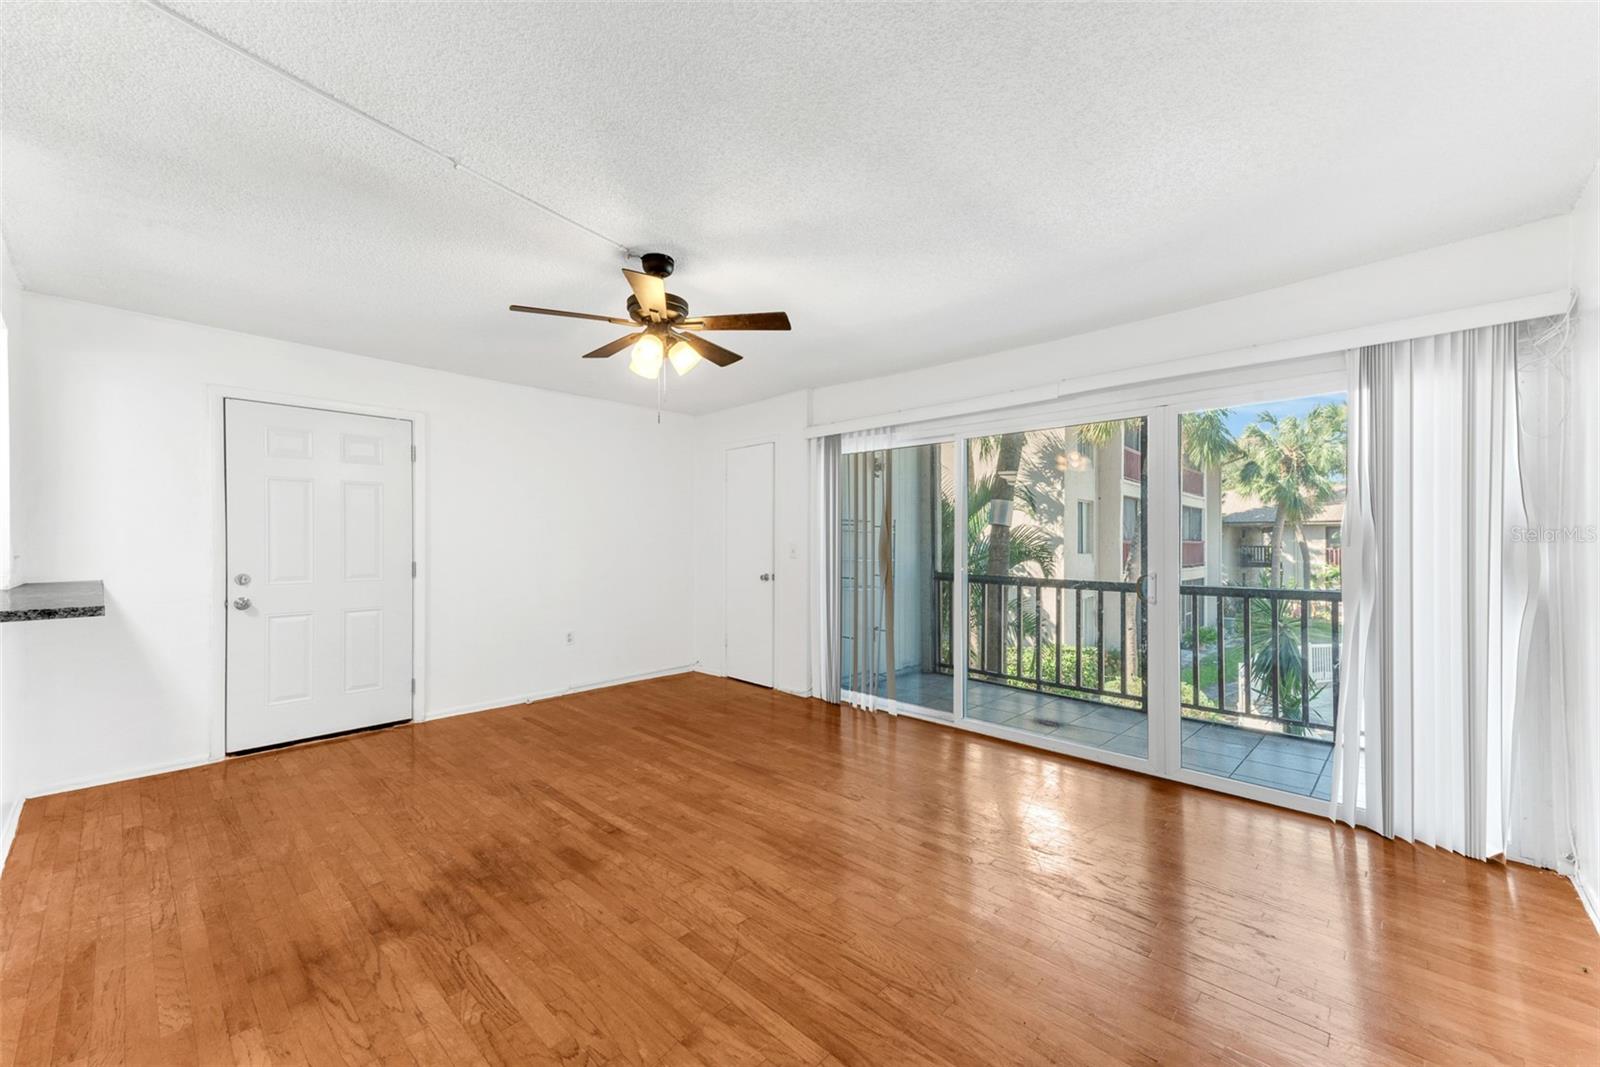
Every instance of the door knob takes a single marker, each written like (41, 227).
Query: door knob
(241, 603)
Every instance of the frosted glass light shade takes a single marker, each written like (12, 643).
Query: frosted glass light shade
(683, 357)
(646, 358)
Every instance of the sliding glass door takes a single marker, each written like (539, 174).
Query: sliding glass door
(1150, 584)
(1056, 552)
(1261, 500)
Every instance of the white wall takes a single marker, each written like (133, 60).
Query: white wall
(10, 301)
(545, 513)
(1583, 665)
(1522, 261)
(1519, 262)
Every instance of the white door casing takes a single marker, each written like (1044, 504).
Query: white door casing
(750, 579)
(318, 516)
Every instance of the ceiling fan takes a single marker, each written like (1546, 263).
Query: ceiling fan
(668, 333)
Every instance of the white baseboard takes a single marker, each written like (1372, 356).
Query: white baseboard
(529, 698)
(716, 672)
(89, 781)
(1589, 898)
(8, 829)
(470, 709)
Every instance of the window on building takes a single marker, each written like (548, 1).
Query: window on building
(1130, 518)
(1194, 524)
(1085, 527)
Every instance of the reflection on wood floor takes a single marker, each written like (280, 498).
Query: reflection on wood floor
(695, 871)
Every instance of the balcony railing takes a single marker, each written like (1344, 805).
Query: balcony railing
(1265, 655)
(1335, 555)
(1269, 655)
(1055, 636)
(1255, 555)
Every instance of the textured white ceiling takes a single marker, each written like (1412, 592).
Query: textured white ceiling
(912, 183)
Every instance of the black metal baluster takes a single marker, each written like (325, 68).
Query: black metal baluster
(1122, 640)
(1019, 633)
(1244, 697)
(1058, 635)
(1038, 642)
(1305, 661)
(1194, 646)
(1277, 662)
(1100, 640)
(1222, 656)
(1333, 611)
(1077, 638)
(983, 627)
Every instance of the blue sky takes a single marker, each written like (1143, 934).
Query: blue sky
(1298, 407)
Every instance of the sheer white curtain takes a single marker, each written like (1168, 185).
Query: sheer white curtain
(825, 527)
(1557, 552)
(1435, 602)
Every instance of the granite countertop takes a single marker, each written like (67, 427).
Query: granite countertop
(52, 600)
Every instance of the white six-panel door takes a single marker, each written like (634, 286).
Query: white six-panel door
(750, 573)
(319, 578)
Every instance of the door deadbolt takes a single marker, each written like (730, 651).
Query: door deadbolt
(241, 579)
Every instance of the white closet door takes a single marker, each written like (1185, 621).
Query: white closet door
(319, 577)
(750, 575)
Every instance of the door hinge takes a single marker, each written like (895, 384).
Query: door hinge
(413, 568)
(413, 453)
(413, 686)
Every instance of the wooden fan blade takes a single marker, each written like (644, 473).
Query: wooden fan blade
(614, 347)
(711, 352)
(756, 320)
(651, 291)
(572, 315)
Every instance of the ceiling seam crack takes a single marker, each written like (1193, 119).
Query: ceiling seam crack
(307, 86)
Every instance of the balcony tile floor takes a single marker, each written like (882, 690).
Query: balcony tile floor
(1292, 764)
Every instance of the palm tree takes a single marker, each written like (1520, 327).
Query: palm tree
(1207, 441)
(995, 547)
(1290, 464)
(998, 498)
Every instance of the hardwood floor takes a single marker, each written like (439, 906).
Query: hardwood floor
(694, 871)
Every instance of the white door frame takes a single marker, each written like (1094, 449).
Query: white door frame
(772, 526)
(214, 398)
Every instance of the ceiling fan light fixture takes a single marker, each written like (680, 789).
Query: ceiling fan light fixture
(683, 357)
(657, 315)
(646, 358)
